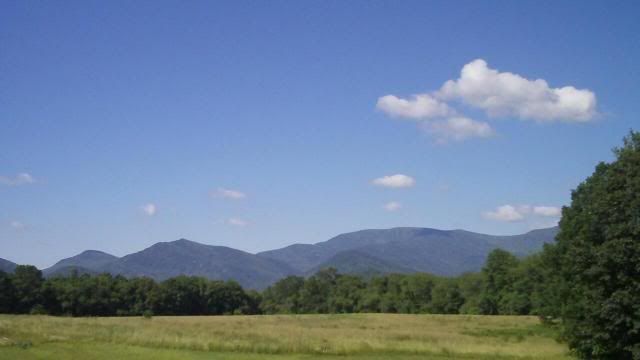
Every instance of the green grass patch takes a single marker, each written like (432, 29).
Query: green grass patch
(366, 336)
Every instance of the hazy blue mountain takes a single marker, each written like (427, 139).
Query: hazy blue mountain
(7, 266)
(301, 257)
(365, 252)
(441, 252)
(527, 243)
(87, 261)
(183, 257)
(359, 263)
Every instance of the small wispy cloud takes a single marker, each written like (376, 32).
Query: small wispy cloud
(551, 211)
(443, 187)
(237, 222)
(395, 181)
(421, 106)
(19, 179)
(228, 194)
(457, 128)
(513, 213)
(392, 206)
(149, 209)
(507, 213)
(17, 225)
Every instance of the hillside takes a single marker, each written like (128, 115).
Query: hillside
(359, 263)
(183, 257)
(7, 266)
(86, 262)
(442, 252)
(70, 270)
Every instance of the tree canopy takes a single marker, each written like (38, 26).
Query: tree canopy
(597, 258)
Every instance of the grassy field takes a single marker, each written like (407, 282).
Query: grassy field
(365, 336)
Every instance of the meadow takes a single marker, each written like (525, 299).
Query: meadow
(364, 336)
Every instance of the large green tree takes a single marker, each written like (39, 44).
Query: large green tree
(598, 258)
(7, 293)
(498, 278)
(27, 284)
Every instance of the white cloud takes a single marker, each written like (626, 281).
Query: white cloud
(503, 94)
(504, 213)
(17, 225)
(237, 222)
(392, 206)
(511, 213)
(422, 106)
(550, 211)
(19, 179)
(229, 194)
(499, 94)
(149, 209)
(395, 181)
(457, 129)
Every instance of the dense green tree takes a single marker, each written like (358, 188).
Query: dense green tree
(181, 295)
(598, 259)
(7, 293)
(314, 296)
(497, 277)
(136, 295)
(471, 289)
(252, 304)
(346, 294)
(521, 294)
(446, 297)
(418, 292)
(284, 296)
(224, 297)
(371, 296)
(27, 283)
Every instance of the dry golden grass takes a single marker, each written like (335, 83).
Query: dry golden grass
(449, 336)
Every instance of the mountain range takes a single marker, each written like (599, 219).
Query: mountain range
(365, 252)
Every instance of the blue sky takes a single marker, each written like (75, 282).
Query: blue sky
(259, 124)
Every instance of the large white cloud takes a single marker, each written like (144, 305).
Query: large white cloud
(511, 213)
(229, 194)
(499, 94)
(503, 94)
(19, 179)
(395, 181)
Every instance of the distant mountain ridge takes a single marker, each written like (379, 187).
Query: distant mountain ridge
(364, 252)
(7, 266)
(85, 262)
(441, 252)
(183, 257)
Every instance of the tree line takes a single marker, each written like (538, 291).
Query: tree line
(25, 291)
(506, 285)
